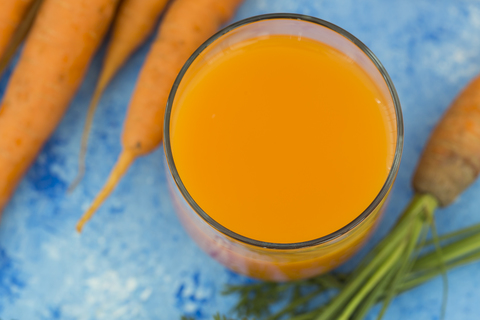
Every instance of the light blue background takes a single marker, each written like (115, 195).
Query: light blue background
(134, 261)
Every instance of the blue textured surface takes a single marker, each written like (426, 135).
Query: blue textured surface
(134, 261)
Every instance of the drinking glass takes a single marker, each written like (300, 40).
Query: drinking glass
(282, 261)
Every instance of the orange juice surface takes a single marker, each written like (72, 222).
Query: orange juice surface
(281, 139)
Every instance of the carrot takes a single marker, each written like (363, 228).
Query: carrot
(134, 22)
(186, 25)
(11, 13)
(451, 159)
(57, 52)
(15, 37)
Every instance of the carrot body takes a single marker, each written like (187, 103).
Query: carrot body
(134, 22)
(55, 58)
(11, 13)
(19, 35)
(186, 25)
(451, 158)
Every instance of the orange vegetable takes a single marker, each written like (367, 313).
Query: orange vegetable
(18, 35)
(186, 25)
(451, 158)
(57, 52)
(11, 13)
(134, 22)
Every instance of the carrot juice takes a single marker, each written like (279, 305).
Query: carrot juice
(279, 144)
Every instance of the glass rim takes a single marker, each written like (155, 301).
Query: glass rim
(304, 244)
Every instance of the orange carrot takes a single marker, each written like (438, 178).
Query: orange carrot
(57, 52)
(17, 36)
(451, 158)
(134, 22)
(11, 13)
(186, 25)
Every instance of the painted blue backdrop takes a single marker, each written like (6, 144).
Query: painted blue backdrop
(134, 260)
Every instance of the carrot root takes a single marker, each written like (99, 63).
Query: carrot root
(85, 135)
(20, 35)
(135, 20)
(121, 167)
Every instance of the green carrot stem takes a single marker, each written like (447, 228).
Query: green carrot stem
(372, 262)
(405, 263)
(373, 297)
(450, 252)
(416, 279)
(416, 205)
(251, 286)
(308, 315)
(442, 268)
(328, 281)
(372, 282)
(412, 280)
(462, 233)
(355, 283)
(295, 304)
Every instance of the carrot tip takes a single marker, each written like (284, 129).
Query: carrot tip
(79, 227)
(85, 135)
(75, 182)
(121, 167)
